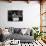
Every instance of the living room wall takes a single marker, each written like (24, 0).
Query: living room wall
(31, 14)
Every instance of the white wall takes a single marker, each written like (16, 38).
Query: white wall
(31, 14)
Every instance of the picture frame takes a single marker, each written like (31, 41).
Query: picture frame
(15, 15)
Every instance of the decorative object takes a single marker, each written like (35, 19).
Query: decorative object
(17, 30)
(23, 31)
(15, 15)
(35, 28)
(37, 34)
(11, 30)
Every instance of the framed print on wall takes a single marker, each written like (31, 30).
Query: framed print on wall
(15, 15)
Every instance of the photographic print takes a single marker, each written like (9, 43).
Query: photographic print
(15, 15)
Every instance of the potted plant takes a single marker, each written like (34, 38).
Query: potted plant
(37, 33)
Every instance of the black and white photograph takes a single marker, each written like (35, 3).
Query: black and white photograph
(15, 15)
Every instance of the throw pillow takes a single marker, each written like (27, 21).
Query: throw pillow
(17, 30)
(23, 31)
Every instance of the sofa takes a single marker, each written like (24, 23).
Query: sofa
(22, 34)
